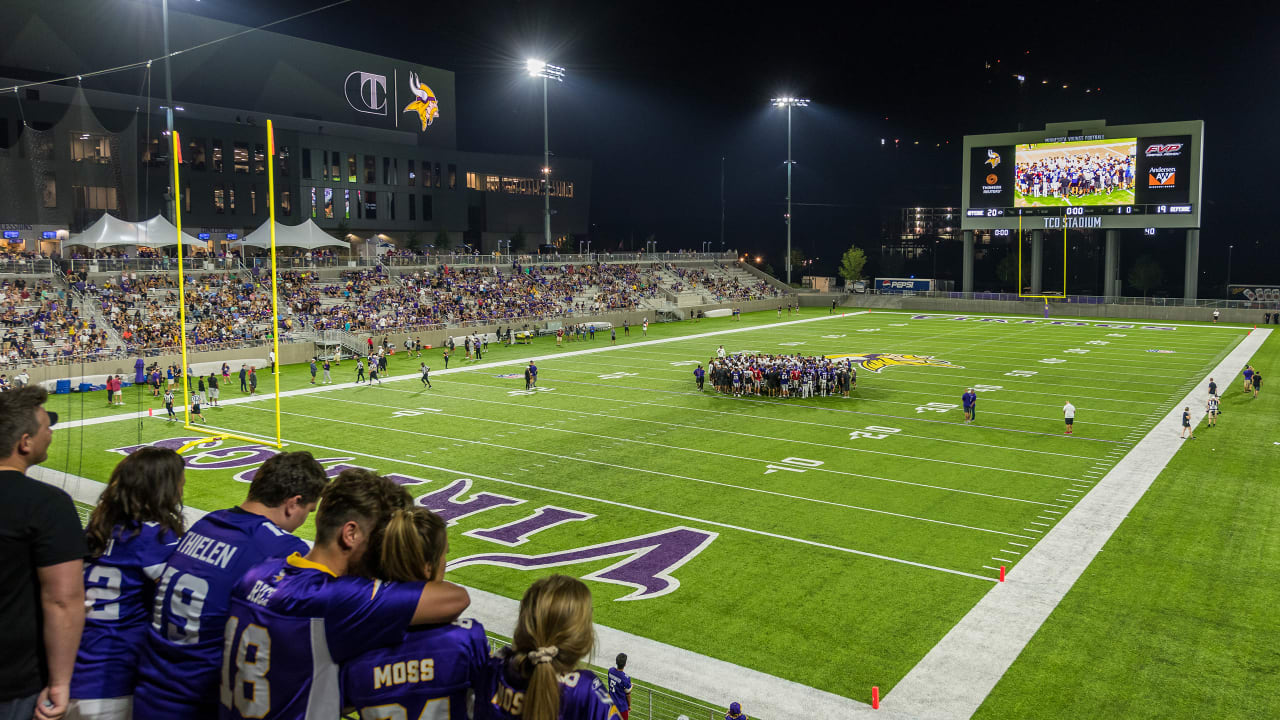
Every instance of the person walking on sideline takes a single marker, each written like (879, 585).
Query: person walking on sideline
(244, 388)
(970, 401)
(359, 370)
(699, 376)
(253, 380)
(1248, 378)
(328, 380)
(1069, 415)
(1212, 409)
(42, 606)
(426, 374)
(313, 371)
(1186, 423)
(1257, 382)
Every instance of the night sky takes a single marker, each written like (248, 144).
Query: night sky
(658, 93)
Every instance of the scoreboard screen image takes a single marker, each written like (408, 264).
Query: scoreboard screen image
(1090, 172)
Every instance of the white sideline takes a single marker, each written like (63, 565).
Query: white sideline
(660, 664)
(468, 368)
(956, 676)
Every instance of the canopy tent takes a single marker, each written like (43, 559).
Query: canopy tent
(111, 231)
(308, 236)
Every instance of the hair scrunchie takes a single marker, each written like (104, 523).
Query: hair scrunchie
(544, 654)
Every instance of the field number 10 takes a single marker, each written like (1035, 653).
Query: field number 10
(873, 432)
(793, 464)
(937, 407)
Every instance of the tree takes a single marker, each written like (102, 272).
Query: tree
(797, 260)
(1007, 270)
(1146, 274)
(852, 263)
(518, 240)
(412, 242)
(443, 241)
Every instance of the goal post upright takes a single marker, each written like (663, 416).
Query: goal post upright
(275, 297)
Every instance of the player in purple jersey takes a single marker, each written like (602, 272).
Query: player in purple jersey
(130, 535)
(294, 620)
(430, 672)
(537, 677)
(178, 668)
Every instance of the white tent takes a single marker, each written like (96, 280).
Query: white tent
(111, 231)
(308, 235)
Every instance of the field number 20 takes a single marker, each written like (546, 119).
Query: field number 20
(937, 407)
(873, 432)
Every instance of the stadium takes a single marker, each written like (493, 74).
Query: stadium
(355, 424)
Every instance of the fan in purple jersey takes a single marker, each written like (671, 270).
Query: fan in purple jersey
(294, 620)
(735, 712)
(619, 681)
(430, 672)
(537, 676)
(178, 668)
(131, 533)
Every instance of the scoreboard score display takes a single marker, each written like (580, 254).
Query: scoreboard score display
(1094, 176)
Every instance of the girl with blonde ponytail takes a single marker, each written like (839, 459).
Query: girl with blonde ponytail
(434, 665)
(537, 677)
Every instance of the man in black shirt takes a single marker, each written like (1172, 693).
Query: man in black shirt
(41, 566)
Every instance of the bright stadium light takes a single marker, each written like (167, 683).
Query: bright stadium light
(546, 71)
(788, 103)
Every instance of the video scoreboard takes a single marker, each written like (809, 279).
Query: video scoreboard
(1084, 175)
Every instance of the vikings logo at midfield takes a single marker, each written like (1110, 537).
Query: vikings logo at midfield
(424, 101)
(875, 362)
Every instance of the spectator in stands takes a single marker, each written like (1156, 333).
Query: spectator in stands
(41, 567)
(131, 533)
(620, 686)
(735, 712)
(537, 676)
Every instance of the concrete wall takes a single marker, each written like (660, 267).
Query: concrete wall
(93, 372)
(1056, 309)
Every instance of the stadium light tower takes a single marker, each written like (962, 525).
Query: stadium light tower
(788, 103)
(546, 71)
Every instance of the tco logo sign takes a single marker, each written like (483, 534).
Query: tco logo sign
(367, 92)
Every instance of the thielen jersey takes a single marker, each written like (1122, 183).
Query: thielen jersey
(178, 668)
(119, 588)
(582, 695)
(292, 623)
(428, 675)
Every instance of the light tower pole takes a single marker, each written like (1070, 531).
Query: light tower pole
(541, 69)
(788, 103)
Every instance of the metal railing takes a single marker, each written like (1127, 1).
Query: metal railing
(26, 266)
(1096, 300)
(165, 264)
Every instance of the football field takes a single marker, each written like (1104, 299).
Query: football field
(828, 541)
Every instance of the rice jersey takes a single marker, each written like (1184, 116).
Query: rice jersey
(119, 588)
(582, 695)
(178, 668)
(428, 675)
(292, 623)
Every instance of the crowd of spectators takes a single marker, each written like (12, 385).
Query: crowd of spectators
(40, 324)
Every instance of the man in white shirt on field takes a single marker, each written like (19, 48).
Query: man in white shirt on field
(1069, 415)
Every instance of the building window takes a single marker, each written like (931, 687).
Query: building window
(351, 168)
(324, 167)
(306, 163)
(231, 198)
(217, 156)
(195, 153)
(253, 199)
(453, 176)
(240, 158)
(370, 170)
(286, 203)
(336, 172)
(91, 148)
(386, 171)
(391, 206)
(313, 201)
(370, 205)
(282, 152)
(346, 197)
(219, 199)
(186, 198)
(472, 183)
(359, 204)
(259, 159)
(95, 198)
(411, 173)
(328, 203)
(437, 175)
(413, 208)
(426, 208)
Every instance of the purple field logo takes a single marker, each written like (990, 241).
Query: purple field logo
(646, 562)
(875, 362)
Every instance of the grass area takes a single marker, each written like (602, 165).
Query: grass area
(1177, 617)
(859, 530)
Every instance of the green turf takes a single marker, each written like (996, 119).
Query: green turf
(845, 562)
(1177, 617)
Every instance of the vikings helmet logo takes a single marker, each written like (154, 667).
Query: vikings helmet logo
(993, 159)
(424, 101)
(875, 362)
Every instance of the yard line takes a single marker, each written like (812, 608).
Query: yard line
(770, 438)
(1008, 560)
(628, 506)
(1018, 544)
(1033, 522)
(753, 418)
(687, 449)
(653, 472)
